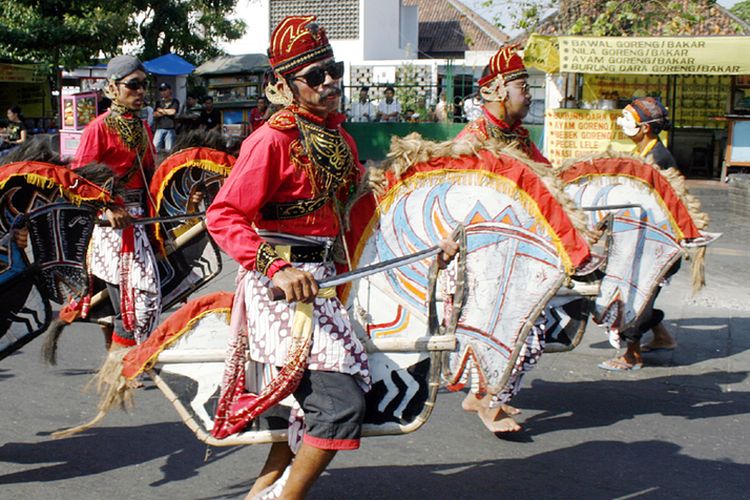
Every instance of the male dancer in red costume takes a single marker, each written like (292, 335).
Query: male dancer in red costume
(505, 92)
(504, 89)
(121, 255)
(289, 182)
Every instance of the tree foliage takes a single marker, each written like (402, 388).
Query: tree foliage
(190, 28)
(72, 33)
(607, 17)
(58, 32)
(742, 10)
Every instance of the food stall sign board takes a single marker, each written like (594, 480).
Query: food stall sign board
(707, 55)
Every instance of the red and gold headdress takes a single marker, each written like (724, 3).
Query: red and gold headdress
(506, 63)
(297, 42)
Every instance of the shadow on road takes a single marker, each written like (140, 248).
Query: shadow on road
(103, 449)
(698, 340)
(595, 470)
(5, 374)
(600, 403)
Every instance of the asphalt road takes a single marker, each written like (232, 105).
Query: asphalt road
(678, 428)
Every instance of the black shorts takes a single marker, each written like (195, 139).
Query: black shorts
(334, 407)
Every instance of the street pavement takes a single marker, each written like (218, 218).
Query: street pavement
(678, 428)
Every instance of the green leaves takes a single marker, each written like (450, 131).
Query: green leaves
(613, 17)
(742, 10)
(75, 33)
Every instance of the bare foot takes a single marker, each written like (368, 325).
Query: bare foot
(496, 420)
(658, 346)
(471, 403)
(511, 410)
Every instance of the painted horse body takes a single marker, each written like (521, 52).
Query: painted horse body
(519, 246)
(650, 220)
(59, 206)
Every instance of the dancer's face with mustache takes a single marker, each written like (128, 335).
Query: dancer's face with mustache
(320, 100)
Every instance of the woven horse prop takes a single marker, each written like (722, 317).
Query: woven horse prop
(58, 207)
(189, 258)
(652, 221)
(520, 245)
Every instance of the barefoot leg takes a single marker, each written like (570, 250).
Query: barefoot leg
(278, 459)
(662, 338)
(107, 331)
(309, 463)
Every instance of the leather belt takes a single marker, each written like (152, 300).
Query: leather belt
(306, 254)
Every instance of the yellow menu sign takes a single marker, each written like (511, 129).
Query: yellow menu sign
(663, 56)
(573, 133)
(705, 55)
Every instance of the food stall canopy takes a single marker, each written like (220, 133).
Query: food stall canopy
(169, 65)
(27, 86)
(700, 55)
(229, 65)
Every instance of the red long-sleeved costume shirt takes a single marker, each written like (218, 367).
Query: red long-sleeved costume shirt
(101, 144)
(267, 171)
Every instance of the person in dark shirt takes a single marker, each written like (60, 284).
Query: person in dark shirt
(102, 101)
(642, 121)
(165, 116)
(210, 117)
(15, 133)
(189, 118)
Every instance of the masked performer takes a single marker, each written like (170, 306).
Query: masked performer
(121, 255)
(642, 121)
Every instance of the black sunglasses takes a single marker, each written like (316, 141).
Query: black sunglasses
(317, 76)
(135, 84)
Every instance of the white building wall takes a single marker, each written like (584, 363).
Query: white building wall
(256, 14)
(409, 38)
(382, 29)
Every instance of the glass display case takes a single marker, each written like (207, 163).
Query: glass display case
(78, 110)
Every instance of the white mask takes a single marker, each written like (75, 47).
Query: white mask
(628, 125)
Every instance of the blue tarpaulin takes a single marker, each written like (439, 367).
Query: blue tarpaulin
(169, 65)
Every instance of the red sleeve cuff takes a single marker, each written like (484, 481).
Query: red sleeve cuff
(276, 266)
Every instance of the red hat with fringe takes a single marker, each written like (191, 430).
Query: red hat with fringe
(506, 63)
(297, 42)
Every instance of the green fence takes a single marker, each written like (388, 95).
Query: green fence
(374, 139)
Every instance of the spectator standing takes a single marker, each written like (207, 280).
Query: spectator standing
(16, 131)
(165, 117)
(389, 109)
(424, 112)
(362, 109)
(147, 113)
(190, 116)
(441, 110)
(259, 114)
(210, 116)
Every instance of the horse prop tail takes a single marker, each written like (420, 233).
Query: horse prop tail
(113, 388)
